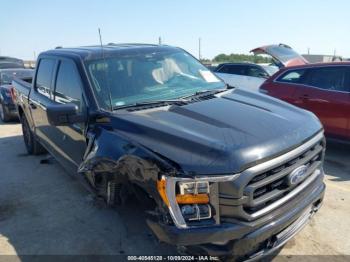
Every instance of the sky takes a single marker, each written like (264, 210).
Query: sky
(28, 27)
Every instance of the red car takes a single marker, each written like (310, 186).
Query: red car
(322, 88)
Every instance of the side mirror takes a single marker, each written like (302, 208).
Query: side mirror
(63, 114)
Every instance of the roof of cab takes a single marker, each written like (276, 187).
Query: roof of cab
(95, 52)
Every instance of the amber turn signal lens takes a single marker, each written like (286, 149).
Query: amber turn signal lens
(192, 199)
(161, 184)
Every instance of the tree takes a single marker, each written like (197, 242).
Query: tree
(241, 58)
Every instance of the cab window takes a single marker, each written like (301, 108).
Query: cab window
(44, 76)
(68, 85)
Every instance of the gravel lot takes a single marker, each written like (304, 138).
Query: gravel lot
(44, 211)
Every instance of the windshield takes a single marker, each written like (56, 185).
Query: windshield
(6, 77)
(162, 75)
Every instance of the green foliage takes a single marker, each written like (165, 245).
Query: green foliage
(241, 58)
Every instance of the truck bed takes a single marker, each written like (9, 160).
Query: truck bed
(22, 87)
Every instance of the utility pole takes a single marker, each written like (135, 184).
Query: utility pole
(159, 40)
(34, 60)
(308, 50)
(199, 49)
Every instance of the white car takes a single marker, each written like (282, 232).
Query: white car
(244, 75)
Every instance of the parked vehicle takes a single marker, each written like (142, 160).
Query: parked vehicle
(211, 67)
(322, 88)
(225, 171)
(269, 68)
(8, 109)
(10, 62)
(243, 75)
(282, 55)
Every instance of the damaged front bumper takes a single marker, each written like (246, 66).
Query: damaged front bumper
(255, 212)
(247, 240)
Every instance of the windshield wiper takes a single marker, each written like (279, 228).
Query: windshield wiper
(183, 100)
(151, 103)
(209, 91)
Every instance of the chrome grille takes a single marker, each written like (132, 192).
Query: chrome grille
(268, 186)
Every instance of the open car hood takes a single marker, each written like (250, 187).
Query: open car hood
(281, 53)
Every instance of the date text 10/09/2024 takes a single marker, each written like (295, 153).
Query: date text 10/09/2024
(173, 258)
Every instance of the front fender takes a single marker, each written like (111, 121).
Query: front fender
(110, 153)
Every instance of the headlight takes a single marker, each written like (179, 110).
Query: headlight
(196, 212)
(194, 187)
(188, 199)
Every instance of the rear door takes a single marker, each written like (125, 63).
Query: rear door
(40, 97)
(325, 92)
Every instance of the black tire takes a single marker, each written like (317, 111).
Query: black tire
(32, 145)
(4, 114)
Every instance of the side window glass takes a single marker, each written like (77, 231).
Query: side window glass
(237, 70)
(69, 85)
(232, 69)
(223, 69)
(256, 72)
(329, 78)
(294, 76)
(44, 76)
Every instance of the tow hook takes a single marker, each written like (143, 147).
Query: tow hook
(315, 207)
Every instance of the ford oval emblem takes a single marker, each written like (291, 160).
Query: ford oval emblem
(297, 175)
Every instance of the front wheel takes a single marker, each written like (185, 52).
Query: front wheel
(32, 145)
(4, 114)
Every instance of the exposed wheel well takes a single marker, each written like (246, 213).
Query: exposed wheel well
(123, 189)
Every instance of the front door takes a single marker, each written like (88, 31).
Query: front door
(69, 89)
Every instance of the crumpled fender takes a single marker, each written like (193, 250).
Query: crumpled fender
(110, 153)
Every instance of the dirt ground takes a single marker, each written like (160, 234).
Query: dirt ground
(44, 211)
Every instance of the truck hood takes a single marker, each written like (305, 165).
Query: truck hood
(282, 53)
(223, 135)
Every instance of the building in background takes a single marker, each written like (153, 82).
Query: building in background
(322, 58)
(29, 63)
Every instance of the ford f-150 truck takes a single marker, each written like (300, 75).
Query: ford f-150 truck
(225, 172)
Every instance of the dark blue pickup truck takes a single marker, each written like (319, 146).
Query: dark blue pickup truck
(225, 171)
